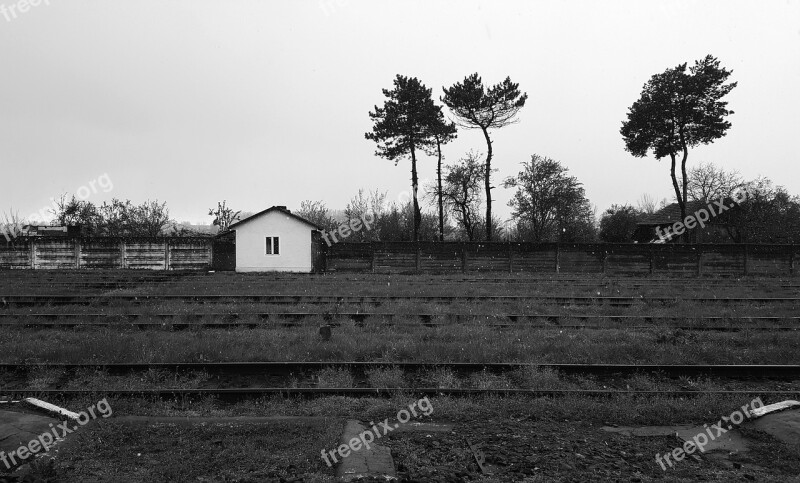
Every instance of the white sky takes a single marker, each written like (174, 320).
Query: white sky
(265, 102)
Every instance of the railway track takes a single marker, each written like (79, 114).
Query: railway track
(244, 380)
(619, 301)
(160, 275)
(182, 321)
(246, 325)
(239, 394)
(424, 317)
(732, 371)
(417, 280)
(82, 287)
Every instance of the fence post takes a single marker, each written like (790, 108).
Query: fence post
(77, 253)
(419, 257)
(558, 255)
(510, 258)
(699, 261)
(651, 254)
(122, 253)
(791, 259)
(33, 254)
(372, 257)
(464, 255)
(167, 253)
(604, 256)
(745, 258)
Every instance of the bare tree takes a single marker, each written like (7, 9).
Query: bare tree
(708, 182)
(317, 213)
(11, 224)
(646, 204)
(223, 216)
(364, 205)
(461, 192)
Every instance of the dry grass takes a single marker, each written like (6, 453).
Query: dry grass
(331, 377)
(383, 343)
(392, 377)
(150, 379)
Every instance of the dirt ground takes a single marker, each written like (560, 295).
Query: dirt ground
(513, 448)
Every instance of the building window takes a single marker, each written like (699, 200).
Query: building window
(273, 246)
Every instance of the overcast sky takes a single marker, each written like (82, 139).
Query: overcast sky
(265, 102)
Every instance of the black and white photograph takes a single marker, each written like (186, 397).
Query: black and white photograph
(444, 241)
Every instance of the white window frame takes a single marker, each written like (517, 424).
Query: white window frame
(269, 246)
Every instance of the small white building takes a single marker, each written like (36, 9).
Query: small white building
(276, 240)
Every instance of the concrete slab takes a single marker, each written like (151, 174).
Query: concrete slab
(729, 442)
(783, 426)
(50, 408)
(375, 462)
(773, 408)
(18, 429)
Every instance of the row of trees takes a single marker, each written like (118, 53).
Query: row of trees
(677, 110)
(549, 205)
(410, 122)
(114, 218)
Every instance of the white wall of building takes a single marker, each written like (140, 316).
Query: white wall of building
(295, 244)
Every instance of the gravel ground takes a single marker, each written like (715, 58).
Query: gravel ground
(522, 440)
(534, 451)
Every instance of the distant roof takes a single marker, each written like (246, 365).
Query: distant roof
(282, 209)
(671, 213)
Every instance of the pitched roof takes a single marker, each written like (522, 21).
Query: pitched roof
(282, 209)
(671, 213)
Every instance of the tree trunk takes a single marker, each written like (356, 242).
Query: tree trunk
(439, 175)
(685, 182)
(414, 187)
(488, 185)
(681, 202)
(466, 220)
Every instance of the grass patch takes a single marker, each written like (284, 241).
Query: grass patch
(391, 377)
(331, 377)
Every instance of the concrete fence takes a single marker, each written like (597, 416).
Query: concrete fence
(608, 258)
(131, 253)
(433, 257)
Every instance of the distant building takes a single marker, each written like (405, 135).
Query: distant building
(49, 230)
(275, 240)
(715, 231)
